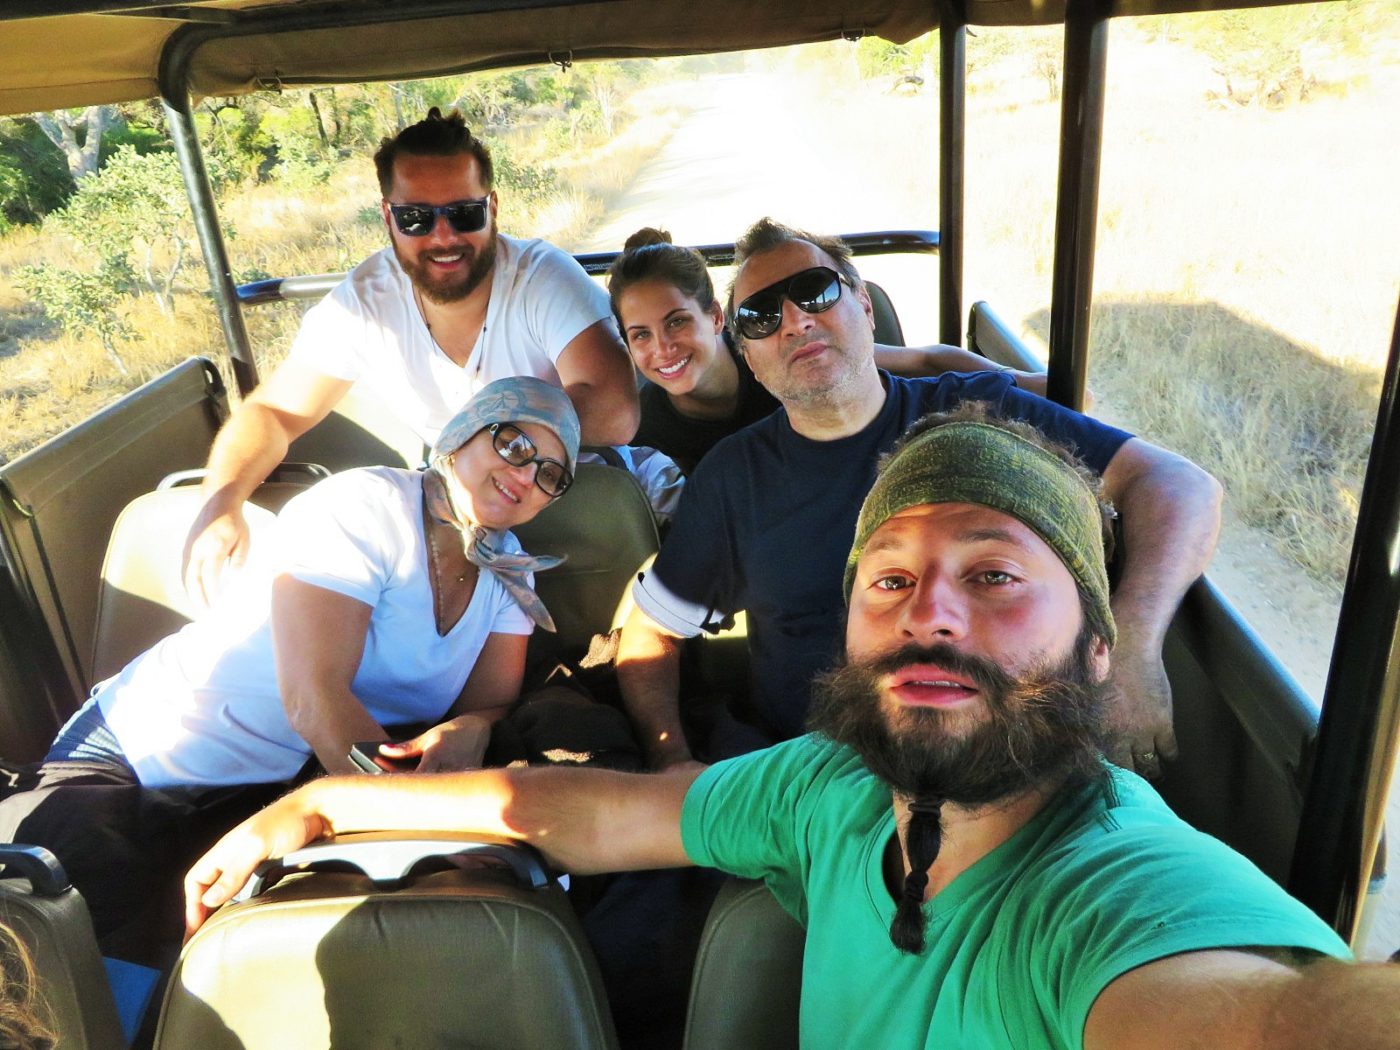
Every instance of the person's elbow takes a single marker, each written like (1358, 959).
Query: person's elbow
(643, 641)
(305, 713)
(1141, 469)
(1211, 492)
(610, 414)
(1192, 485)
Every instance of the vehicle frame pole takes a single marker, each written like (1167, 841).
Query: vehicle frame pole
(1340, 829)
(175, 99)
(952, 121)
(1077, 197)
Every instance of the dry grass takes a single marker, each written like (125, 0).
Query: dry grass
(1286, 430)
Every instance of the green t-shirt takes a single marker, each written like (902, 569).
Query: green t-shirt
(1019, 945)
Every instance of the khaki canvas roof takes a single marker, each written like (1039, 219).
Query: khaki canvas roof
(65, 53)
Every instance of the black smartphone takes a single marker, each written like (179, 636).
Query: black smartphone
(367, 757)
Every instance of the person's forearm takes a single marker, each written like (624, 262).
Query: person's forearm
(330, 725)
(1247, 1001)
(648, 673)
(1171, 521)
(250, 445)
(582, 820)
(608, 414)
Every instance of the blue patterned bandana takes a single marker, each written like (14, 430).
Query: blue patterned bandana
(518, 399)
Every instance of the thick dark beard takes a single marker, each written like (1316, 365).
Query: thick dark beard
(418, 270)
(1045, 728)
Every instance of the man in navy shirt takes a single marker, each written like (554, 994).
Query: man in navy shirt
(766, 520)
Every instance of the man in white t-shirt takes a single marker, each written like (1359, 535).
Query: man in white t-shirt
(448, 307)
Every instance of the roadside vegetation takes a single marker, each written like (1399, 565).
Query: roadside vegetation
(102, 286)
(1284, 221)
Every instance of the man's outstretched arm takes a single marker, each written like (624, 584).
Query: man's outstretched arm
(583, 820)
(1171, 520)
(254, 440)
(1244, 1001)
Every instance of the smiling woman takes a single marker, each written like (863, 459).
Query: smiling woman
(697, 388)
(383, 598)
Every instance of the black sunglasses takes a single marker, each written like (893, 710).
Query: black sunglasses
(812, 291)
(418, 220)
(516, 448)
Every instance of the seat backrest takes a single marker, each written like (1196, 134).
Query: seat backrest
(141, 594)
(52, 922)
(748, 973)
(452, 959)
(888, 330)
(57, 506)
(605, 529)
(361, 431)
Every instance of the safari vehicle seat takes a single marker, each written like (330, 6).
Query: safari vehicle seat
(605, 529)
(51, 920)
(141, 594)
(748, 973)
(57, 506)
(481, 956)
(888, 331)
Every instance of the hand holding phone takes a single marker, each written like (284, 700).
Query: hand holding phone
(367, 758)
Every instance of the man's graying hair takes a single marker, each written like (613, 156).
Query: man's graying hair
(768, 234)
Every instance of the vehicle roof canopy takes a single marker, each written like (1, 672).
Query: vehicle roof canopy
(67, 53)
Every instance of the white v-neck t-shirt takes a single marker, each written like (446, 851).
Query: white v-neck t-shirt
(202, 707)
(368, 329)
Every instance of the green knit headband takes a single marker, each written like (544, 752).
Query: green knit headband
(973, 462)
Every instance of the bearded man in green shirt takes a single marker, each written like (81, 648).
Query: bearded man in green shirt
(970, 872)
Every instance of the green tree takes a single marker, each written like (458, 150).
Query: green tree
(295, 129)
(134, 211)
(34, 179)
(82, 302)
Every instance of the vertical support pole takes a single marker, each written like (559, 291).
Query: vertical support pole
(180, 119)
(1076, 209)
(1340, 828)
(952, 91)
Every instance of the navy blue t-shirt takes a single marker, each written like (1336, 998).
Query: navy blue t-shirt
(687, 440)
(766, 522)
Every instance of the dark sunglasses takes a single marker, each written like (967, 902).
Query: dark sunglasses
(812, 291)
(513, 446)
(418, 220)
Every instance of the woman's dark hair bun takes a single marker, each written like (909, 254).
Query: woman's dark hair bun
(645, 236)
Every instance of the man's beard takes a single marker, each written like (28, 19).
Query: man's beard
(1040, 729)
(442, 289)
